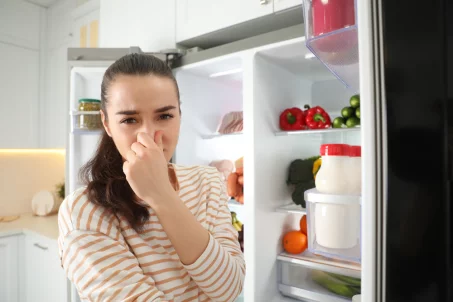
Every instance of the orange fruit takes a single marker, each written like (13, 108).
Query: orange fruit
(294, 242)
(303, 224)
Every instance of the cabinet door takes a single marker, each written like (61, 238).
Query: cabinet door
(280, 5)
(198, 17)
(54, 108)
(19, 102)
(45, 280)
(86, 30)
(9, 269)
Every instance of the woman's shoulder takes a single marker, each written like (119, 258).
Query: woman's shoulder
(77, 212)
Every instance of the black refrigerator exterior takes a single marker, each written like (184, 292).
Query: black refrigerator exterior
(417, 43)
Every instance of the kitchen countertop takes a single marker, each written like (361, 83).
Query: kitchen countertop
(28, 223)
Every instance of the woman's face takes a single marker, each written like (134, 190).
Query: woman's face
(142, 104)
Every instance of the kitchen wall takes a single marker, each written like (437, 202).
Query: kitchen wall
(23, 173)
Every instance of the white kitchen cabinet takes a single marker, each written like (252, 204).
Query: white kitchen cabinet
(20, 23)
(281, 5)
(149, 24)
(44, 279)
(21, 26)
(54, 107)
(9, 269)
(85, 24)
(198, 17)
(59, 24)
(19, 103)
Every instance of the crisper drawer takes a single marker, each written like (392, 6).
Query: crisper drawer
(317, 282)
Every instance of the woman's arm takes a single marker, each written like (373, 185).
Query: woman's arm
(213, 258)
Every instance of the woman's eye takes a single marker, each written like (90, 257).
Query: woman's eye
(129, 121)
(165, 116)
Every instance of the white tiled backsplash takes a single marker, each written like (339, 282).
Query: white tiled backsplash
(25, 172)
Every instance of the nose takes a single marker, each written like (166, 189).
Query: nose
(149, 128)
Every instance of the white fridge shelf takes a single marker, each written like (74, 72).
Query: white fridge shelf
(217, 135)
(316, 131)
(292, 209)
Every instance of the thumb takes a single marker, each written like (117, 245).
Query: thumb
(158, 139)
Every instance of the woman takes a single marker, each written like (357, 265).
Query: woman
(144, 229)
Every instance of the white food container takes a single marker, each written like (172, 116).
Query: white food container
(355, 170)
(332, 177)
(333, 225)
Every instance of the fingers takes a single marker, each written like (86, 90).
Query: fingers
(158, 139)
(126, 167)
(146, 140)
(139, 149)
(131, 156)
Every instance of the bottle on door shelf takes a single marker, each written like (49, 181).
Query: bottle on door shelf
(332, 177)
(355, 170)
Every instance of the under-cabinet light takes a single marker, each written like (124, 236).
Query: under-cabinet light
(309, 56)
(223, 73)
(32, 151)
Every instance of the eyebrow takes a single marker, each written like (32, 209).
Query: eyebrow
(134, 112)
(127, 112)
(165, 108)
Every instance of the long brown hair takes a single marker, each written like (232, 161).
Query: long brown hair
(103, 174)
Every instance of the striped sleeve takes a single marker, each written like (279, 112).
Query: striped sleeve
(96, 258)
(220, 270)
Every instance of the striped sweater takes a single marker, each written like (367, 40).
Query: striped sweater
(107, 260)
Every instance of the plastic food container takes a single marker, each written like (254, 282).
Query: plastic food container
(333, 225)
(332, 177)
(309, 283)
(355, 170)
(92, 119)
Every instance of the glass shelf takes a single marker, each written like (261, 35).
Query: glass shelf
(292, 209)
(316, 131)
(217, 135)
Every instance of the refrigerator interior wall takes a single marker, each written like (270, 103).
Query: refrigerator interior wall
(272, 78)
(285, 78)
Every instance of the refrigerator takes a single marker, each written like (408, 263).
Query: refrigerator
(398, 57)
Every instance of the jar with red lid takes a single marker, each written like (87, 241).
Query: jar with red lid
(355, 170)
(332, 177)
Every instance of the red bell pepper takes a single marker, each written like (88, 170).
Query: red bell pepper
(292, 119)
(317, 118)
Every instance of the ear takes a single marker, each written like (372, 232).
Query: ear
(105, 123)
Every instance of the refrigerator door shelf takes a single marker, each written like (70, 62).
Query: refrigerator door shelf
(332, 36)
(76, 117)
